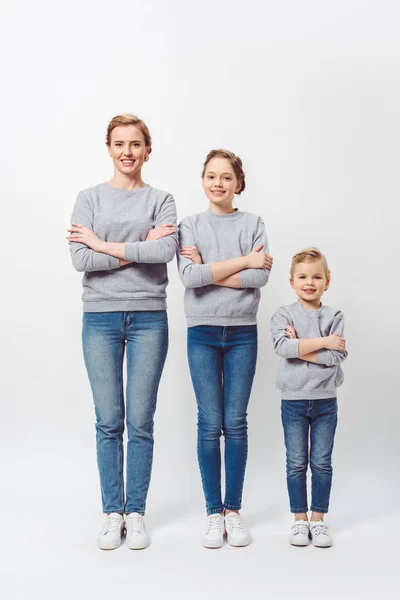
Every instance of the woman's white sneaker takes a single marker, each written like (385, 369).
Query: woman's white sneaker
(213, 534)
(236, 532)
(320, 535)
(300, 533)
(109, 537)
(136, 536)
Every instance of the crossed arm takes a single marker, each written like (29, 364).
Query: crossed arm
(329, 350)
(249, 271)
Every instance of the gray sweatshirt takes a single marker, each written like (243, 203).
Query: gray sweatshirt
(298, 379)
(219, 238)
(124, 216)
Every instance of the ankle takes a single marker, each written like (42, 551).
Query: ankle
(300, 517)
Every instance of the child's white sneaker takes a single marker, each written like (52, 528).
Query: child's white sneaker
(236, 531)
(109, 537)
(319, 534)
(136, 536)
(300, 533)
(213, 534)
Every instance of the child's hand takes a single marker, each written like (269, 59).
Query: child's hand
(192, 254)
(290, 332)
(259, 260)
(157, 233)
(335, 342)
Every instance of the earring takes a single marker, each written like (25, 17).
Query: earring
(146, 159)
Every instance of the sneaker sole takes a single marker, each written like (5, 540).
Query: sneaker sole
(300, 544)
(111, 547)
(138, 546)
(211, 544)
(238, 544)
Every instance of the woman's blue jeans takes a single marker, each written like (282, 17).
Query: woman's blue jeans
(105, 336)
(309, 427)
(222, 363)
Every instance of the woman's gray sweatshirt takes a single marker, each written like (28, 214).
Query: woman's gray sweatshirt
(298, 379)
(219, 238)
(126, 216)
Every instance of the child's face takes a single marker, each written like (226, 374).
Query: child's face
(309, 282)
(219, 181)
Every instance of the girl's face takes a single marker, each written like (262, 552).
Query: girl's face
(220, 182)
(128, 149)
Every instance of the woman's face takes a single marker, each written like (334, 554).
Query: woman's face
(128, 149)
(220, 182)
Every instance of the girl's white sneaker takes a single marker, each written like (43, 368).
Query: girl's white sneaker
(320, 535)
(300, 533)
(109, 537)
(236, 531)
(213, 534)
(136, 536)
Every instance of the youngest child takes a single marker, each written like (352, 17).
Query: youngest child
(308, 338)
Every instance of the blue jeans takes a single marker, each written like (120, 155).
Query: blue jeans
(105, 336)
(303, 420)
(222, 363)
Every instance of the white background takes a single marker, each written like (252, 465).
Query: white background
(308, 94)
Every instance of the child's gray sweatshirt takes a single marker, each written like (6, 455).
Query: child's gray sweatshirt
(298, 379)
(219, 238)
(117, 215)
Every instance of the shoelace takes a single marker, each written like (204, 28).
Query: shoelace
(319, 529)
(113, 523)
(300, 528)
(234, 521)
(214, 522)
(134, 524)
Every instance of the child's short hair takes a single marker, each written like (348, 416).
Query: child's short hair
(310, 255)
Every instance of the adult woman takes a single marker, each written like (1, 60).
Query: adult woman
(122, 235)
(222, 266)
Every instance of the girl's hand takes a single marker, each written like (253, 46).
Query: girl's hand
(192, 254)
(290, 332)
(157, 233)
(259, 260)
(335, 342)
(84, 235)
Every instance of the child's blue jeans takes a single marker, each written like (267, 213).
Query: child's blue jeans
(309, 427)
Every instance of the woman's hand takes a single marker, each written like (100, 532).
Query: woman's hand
(259, 260)
(290, 332)
(84, 235)
(335, 342)
(157, 233)
(192, 254)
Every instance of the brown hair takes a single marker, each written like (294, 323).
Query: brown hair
(235, 162)
(310, 255)
(128, 119)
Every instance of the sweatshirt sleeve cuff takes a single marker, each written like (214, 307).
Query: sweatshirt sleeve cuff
(292, 348)
(206, 274)
(113, 263)
(131, 251)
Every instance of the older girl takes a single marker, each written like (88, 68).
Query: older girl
(223, 263)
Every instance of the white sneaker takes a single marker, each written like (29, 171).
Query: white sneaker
(213, 534)
(109, 537)
(136, 536)
(300, 533)
(319, 534)
(236, 531)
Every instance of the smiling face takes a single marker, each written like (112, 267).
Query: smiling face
(220, 182)
(309, 282)
(128, 149)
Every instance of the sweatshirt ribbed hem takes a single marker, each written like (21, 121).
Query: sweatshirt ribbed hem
(308, 394)
(125, 305)
(222, 321)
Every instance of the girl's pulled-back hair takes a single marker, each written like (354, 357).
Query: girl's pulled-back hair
(310, 255)
(235, 162)
(128, 119)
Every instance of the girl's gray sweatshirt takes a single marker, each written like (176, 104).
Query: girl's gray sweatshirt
(298, 379)
(219, 238)
(117, 215)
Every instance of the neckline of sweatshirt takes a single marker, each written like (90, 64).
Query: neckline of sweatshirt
(227, 217)
(123, 192)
